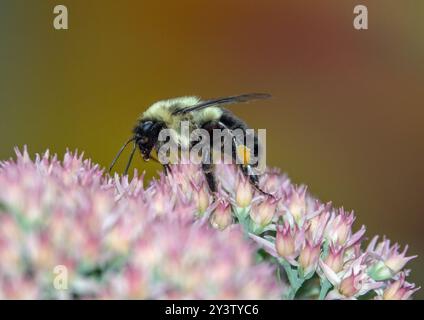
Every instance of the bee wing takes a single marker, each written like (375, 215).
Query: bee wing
(223, 101)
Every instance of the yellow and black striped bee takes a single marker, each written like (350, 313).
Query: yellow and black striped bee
(207, 115)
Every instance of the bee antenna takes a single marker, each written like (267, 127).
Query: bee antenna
(130, 159)
(119, 153)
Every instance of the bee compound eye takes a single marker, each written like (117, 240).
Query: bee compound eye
(147, 125)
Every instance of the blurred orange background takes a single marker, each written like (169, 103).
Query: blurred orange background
(346, 116)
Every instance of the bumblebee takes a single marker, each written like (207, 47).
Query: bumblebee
(207, 115)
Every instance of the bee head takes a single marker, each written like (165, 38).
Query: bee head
(146, 135)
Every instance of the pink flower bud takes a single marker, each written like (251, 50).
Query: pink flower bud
(334, 260)
(339, 228)
(244, 193)
(274, 182)
(285, 242)
(396, 261)
(263, 212)
(201, 197)
(399, 289)
(350, 285)
(297, 203)
(222, 216)
(390, 260)
(160, 203)
(309, 256)
(317, 224)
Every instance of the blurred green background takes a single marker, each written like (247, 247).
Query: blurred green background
(346, 116)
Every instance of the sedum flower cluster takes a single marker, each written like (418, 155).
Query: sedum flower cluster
(67, 230)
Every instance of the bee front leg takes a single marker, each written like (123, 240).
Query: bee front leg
(166, 166)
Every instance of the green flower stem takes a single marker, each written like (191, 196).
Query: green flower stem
(325, 286)
(254, 228)
(294, 279)
(243, 218)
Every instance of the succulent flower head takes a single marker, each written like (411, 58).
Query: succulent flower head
(119, 239)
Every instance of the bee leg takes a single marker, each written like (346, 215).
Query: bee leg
(208, 170)
(253, 178)
(246, 169)
(166, 169)
(166, 166)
